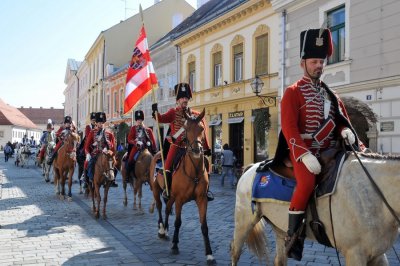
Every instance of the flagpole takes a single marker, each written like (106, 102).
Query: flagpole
(157, 123)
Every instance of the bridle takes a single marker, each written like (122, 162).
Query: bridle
(108, 173)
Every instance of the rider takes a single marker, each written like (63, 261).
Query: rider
(98, 140)
(60, 135)
(25, 140)
(139, 136)
(47, 137)
(175, 116)
(313, 119)
(81, 149)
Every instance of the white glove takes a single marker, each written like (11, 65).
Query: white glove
(312, 164)
(348, 134)
(148, 144)
(105, 150)
(88, 157)
(139, 144)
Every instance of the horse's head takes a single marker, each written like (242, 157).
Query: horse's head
(72, 140)
(107, 163)
(194, 129)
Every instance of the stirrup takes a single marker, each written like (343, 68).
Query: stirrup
(164, 194)
(294, 247)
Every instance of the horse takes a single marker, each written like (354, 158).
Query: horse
(64, 165)
(357, 222)
(141, 176)
(103, 176)
(23, 155)
(190, 182)
(45, 167)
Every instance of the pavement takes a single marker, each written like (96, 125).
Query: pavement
(37, 228)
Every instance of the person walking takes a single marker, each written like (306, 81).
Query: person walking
(7, 151)
(228, 160)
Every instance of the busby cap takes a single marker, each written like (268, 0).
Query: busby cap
(315, 43)
(92, 115)
(50, 125)
(139, 115)
(183, 90)
(101, 117)
(68, 119)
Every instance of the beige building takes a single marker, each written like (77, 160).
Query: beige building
(366, 59)
(220, 56)
(111, 51)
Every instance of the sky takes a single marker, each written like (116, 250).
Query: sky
(38, 37)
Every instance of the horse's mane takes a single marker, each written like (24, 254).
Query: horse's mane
(379, 156)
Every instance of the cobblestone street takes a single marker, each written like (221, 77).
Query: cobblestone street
(39, 229)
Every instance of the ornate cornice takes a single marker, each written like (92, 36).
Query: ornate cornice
(240, 14)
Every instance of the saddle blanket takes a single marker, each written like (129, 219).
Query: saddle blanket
(271, 187)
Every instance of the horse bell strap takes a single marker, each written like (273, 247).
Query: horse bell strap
(317, 226)
(375, 186)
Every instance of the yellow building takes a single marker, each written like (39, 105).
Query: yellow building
(221, 53)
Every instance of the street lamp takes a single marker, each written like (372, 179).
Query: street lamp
(256, 85)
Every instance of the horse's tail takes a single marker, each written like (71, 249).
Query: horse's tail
(257, 242)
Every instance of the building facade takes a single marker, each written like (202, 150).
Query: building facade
(366, 59)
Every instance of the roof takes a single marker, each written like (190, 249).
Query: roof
(203, 15)
(10, 115)
(41, 115)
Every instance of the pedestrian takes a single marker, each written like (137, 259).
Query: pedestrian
(228, 161)
(7, 151)
(313, 120)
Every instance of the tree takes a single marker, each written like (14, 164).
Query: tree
(122, 133)
(361, 116)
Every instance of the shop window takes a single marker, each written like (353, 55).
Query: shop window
(336, 23)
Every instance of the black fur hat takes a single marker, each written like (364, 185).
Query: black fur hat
(68, 119)
(92, 115)
(315, 43)
(183, 90)
(101, 117)
(139, 115)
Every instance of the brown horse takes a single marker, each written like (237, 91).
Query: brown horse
(64, 165)
(103, 176)
(141, 176)
(190, 182)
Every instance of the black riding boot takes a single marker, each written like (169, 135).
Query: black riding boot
(294, 241)
(210, 195)
(53, 156)
(169, 181)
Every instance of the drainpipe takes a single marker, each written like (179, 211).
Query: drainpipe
(178, 63)
(283, 67)
(77, 100)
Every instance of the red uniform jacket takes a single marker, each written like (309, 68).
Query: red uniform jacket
(176, 118)
(135, 135)
(98, 140)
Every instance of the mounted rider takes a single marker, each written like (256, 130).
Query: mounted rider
(313, 119)
(47, 137)
(99, 140)
(25, 140)
(61, 133)
(176, 119)
(140, 137)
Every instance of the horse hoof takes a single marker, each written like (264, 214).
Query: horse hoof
(97, 215)
(162, 236)
(47, 180)
(125, 203)
(174, 251)
(104, 217)
(81, 192)
(211, 260)
(69, 199)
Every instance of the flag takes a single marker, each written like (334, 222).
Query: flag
(140, 77)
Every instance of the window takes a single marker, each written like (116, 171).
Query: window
(217, 60)
(261, 55)
(115, 102)
(192, 75)
(238, 62)
(121, 100)
(336, 23)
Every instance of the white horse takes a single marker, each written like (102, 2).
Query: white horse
(45, 167)
(23, 155)
(364, 229)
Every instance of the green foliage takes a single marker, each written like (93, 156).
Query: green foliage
(262, 123)
(122, 133)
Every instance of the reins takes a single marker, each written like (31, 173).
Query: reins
(375, 186)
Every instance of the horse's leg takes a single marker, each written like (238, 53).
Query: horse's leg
(70, 173)
(355, 256)
(93, 192)
(178, 223)
(202, 206)
(124, 185)
(162, 233)
(379, 261)
(98, 198)
(167, 213)
(140, 184)
(135, 192)
(280, 254)
(106, 188)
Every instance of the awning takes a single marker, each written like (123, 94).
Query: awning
(234, 120)
(215, 122)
